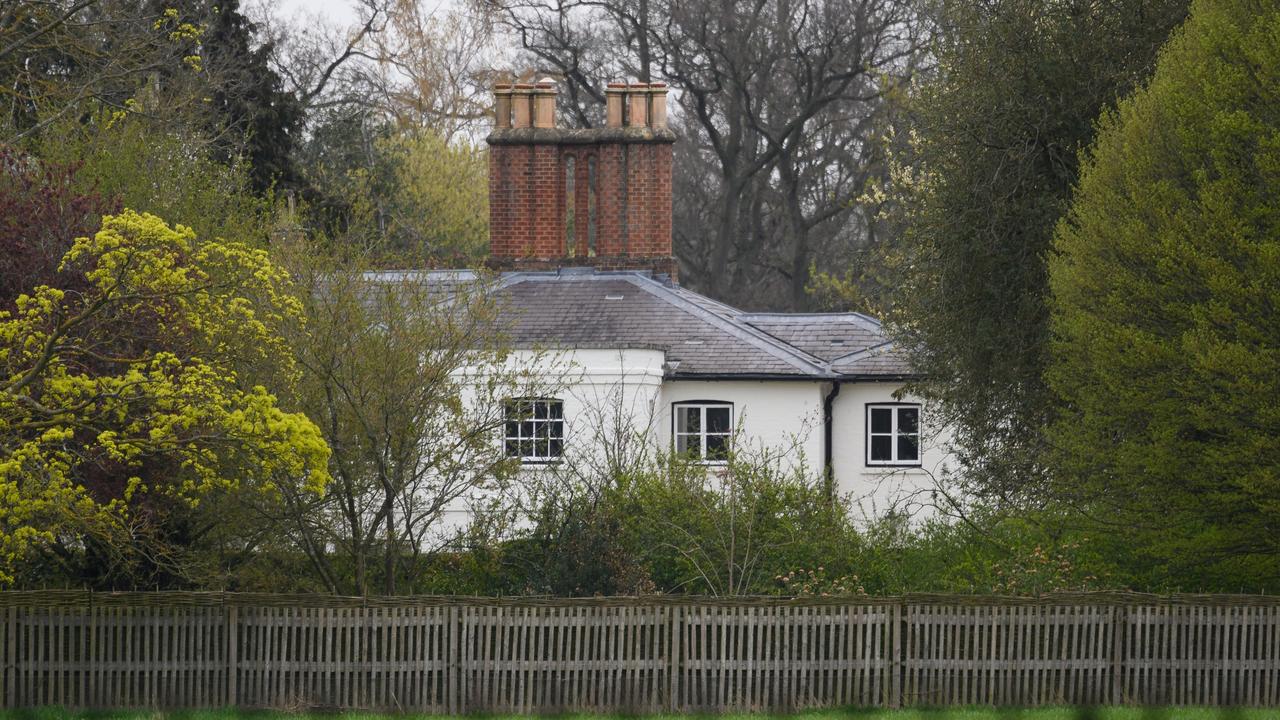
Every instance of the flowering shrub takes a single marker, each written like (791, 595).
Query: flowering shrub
(816, 583)
(127, 385)
(1041, 570)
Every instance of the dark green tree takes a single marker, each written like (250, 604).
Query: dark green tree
(991, 162)
(253, 117)
(1166, 282)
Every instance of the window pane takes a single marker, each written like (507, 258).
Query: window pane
(542, 448)
(688, 419)
(557, 447)
(539, 409)
(908, 448)
(881, 420)
(689, 444)
(881, 448)
(556, 429)
(526, 429)
(526, 448)
(513, 429)
(512, 448)
(557, 409)
(717, 447)
(718, 419)
(909, 420)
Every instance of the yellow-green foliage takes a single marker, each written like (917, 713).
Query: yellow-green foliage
(138, 365)
(164, 167)
(436, 202)
(1167, 285)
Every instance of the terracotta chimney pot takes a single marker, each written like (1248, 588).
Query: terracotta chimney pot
(544, 104)
(522, 101)
(638, 105)
(502, 104)
(658, 105)
(614, 95)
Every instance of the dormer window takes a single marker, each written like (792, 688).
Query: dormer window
(534, 430)
(703, 430)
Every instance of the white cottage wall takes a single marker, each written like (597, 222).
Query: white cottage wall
(769, 415)
(875, 490)
(610, 393)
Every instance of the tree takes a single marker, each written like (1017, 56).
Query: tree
(780, 106)
(1166, 281)
(434, 203)
(991, 162)
(41, 211)
(407, 375)
(168, 168)
(389, 155)
(256, 118)
(60, 59)
(129, 387)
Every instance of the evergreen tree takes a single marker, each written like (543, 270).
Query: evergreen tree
(1166, 282)
(992, 160)
(259, 119)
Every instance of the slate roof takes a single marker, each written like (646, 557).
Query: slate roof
(702, 337)
(826, 335)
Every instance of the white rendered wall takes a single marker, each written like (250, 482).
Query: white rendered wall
(875, 491)
(606, 394)
(610, 394)
(771, 416)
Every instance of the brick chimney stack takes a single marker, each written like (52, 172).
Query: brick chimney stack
(598, 197)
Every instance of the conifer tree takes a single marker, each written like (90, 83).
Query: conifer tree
(1166, 282)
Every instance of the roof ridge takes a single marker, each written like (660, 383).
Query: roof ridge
(858, 354)
(736, 311)
(862, 319)
(762, 340)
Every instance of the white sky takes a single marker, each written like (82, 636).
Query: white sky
(341, 12)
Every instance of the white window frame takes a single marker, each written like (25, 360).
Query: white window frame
(702, 406)
(894, 433)
(555, 430)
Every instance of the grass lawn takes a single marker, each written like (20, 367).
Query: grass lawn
(1058, 713)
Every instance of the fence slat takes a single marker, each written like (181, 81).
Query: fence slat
(446, 655)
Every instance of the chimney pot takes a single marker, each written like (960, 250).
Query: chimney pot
(658, 104)
(614, 97)
(637, 102)
(544, 104)
(522, 102)
(502, 104)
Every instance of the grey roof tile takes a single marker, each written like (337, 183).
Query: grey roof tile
(628, 309)
(882, 360)
(827, 335)
(701, 337)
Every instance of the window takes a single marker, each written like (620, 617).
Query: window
(534, 429)
(703, 430)
(893, 434)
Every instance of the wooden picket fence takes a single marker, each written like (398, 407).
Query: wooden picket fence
(453, 655)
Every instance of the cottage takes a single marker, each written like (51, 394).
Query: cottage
(581, 236)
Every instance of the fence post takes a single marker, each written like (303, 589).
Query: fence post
(233, 648)
(1119, 621)
(11, 657)
(673, 662)
(453, 664)
(896, 662)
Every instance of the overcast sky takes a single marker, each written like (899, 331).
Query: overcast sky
(340, 11)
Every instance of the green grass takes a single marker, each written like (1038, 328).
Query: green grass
(1056, 713)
